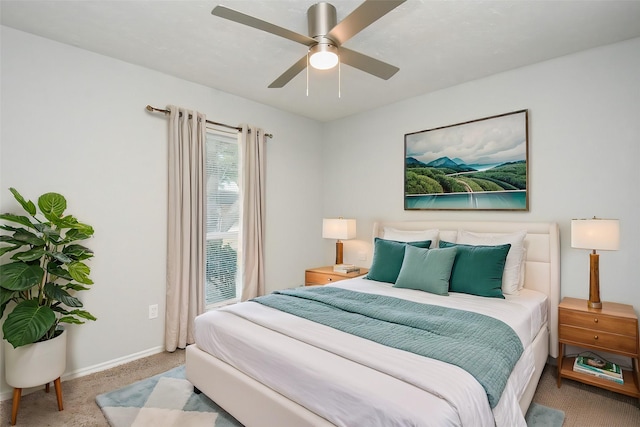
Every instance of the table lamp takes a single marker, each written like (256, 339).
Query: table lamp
(595, 234)
(340, 229)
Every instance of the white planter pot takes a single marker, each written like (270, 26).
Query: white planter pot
(35, 364)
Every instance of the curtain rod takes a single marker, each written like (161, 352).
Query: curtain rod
(239, 129)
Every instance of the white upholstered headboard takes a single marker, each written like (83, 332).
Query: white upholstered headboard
(542, 270)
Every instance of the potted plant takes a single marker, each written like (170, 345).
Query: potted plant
(37, 285)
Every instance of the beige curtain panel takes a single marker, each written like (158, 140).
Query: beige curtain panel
(186, 228)
(253, 184)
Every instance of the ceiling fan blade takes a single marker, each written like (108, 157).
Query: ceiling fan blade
(367, 64)
(241, 18)
(288, 75)
(363, 16)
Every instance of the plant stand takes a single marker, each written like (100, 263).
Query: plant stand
(33, 365)
(17, 394)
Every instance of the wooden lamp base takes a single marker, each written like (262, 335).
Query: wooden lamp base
(339, 252)
(594, 281)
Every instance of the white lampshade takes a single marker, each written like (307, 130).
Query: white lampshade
(595, 234)
(323, 56)
(338, 228)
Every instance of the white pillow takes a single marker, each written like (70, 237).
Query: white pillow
(450, 236)
(523, 264)
(512, 266)
(411, 235)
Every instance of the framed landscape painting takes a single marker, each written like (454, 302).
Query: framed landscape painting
(476, 165)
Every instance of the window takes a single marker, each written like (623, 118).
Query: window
(223, 283)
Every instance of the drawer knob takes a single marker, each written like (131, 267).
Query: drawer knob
(595, 338)
(595, 320)
(330, 279)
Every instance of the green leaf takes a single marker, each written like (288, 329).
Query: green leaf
(8, 249)
(10, 239)
(85, 229)
(19, 276)
(76, 234)
(76, 287)
(59, 308)
(56, 270)
(52, 205)
(84, 314)
(28, 237)
(70, 319)
(69, 316)
(30, 255)
(48, 232)
(27, 323)
(59, 256)
(77, 252)
(5, 297)
(26, 205)
(80, 272)
(55, 292)
(65, 222)
(18, 218)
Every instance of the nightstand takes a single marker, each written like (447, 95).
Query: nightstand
(612, 329)
(326, 275)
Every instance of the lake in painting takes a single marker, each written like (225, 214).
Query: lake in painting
(485, 200)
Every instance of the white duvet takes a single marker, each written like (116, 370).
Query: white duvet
(352, 381)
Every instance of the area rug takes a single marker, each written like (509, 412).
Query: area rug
(165, 400)
(541, 416)
(168, 400)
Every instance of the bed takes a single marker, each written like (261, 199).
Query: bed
(267, 367)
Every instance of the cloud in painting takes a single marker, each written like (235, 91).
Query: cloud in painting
(494, 140)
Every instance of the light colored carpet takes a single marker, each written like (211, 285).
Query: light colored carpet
(168, 400)
(39, 409)
(583, 405)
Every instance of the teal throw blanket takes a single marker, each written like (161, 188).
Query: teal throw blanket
(485, 347)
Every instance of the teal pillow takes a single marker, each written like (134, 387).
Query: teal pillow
(426, 270)
(478, 270)
(387, 258)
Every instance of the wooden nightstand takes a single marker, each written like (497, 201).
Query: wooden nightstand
(612, 328)
(326, 275)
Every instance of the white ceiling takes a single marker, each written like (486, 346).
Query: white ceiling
(436, 44)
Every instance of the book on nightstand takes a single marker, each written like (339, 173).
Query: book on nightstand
(345, 268)
(598, 368)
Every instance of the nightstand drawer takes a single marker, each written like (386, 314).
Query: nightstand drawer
(311, 277)
(604, 340)
(326, 275)
(599, 322)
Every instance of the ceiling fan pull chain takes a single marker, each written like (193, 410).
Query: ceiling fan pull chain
(339, 76)
(307, 73)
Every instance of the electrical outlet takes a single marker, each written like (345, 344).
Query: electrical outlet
(153, 311)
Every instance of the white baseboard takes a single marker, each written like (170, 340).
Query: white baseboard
(92, 369)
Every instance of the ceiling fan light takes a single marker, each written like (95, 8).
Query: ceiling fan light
(323, 56)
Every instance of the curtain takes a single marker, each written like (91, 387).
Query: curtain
(252, 155)
(186, 227)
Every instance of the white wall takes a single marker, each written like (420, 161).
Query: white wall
(584, 148)
(74, 122)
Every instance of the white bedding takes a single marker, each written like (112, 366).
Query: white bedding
(352, 381)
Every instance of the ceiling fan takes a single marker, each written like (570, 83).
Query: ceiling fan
(326, 37)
